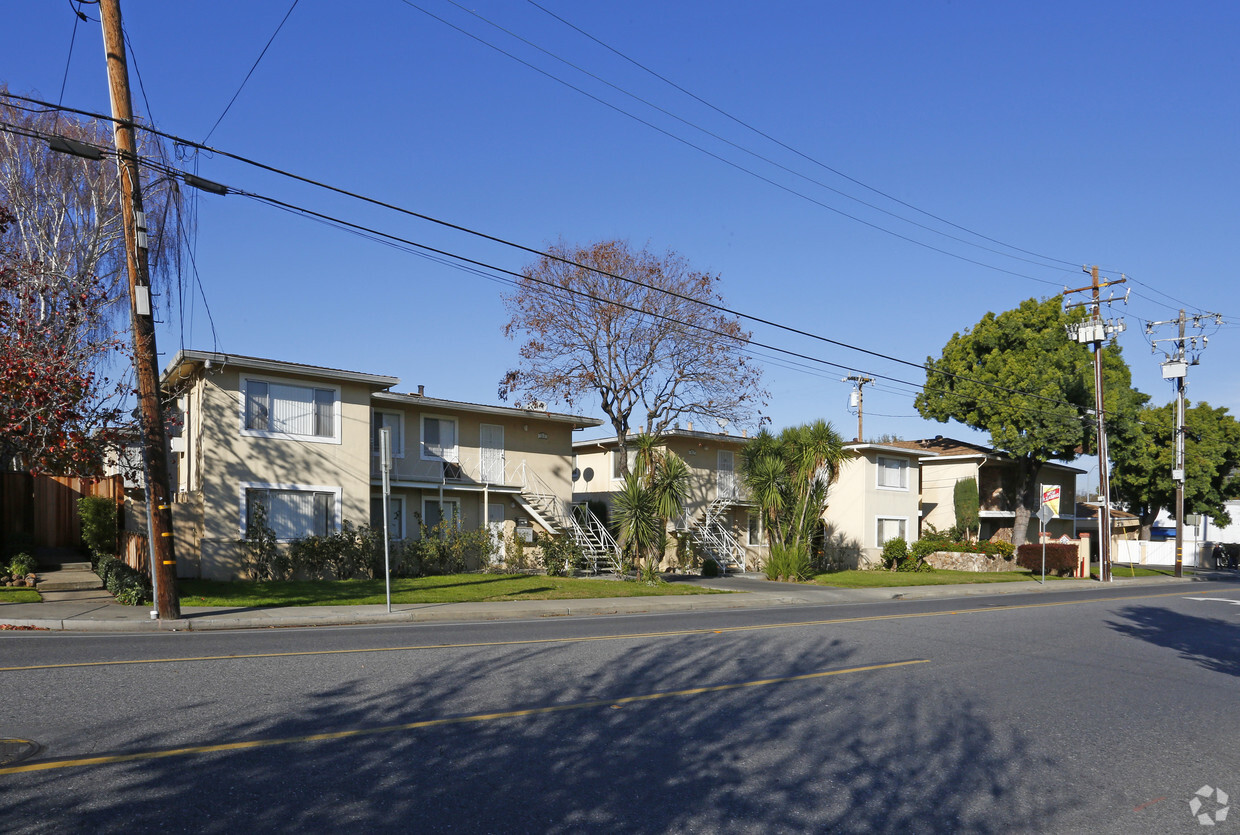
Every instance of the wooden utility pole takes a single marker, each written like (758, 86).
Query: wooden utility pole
(150, 411)
(858, 399)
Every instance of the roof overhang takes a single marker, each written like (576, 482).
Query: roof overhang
(186, 362)
(421, 401)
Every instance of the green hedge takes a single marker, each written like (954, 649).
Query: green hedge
(1061, 558)
(128, 586)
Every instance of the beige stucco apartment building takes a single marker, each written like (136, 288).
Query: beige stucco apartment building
(303, 440)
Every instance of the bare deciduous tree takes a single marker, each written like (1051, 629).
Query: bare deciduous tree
(66, 209)
(650, 345)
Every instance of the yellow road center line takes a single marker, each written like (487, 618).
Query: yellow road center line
(431, 723)
(579, 640)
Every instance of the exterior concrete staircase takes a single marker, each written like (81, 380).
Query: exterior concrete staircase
(62, 578)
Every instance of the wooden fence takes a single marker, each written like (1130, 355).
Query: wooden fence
(44, 507)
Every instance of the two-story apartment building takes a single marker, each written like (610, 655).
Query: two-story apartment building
(723, 523)
(303, 441)
(945, 461)
(877, 497)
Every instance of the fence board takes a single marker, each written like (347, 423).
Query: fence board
(45, 507)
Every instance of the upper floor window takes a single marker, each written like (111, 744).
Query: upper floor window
(617, 468)
(282, 410)
(893, 473)
(439, 439)
(393, 421)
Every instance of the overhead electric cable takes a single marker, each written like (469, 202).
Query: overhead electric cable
(251, 72)
(731, 164)
(749, 151)
(790, 148)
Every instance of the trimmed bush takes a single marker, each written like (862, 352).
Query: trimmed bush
(710, 568)
(128, 586)
(1061, 558)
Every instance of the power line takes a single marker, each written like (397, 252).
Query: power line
(708, 305)
(252, 69)
(742, 148)
(875, 226)
(787, 147)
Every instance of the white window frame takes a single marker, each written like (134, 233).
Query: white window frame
(905, 466)
(396, 503)
(398, 445)
(878, 528)
(447, 500)
(337, 405)
(455, 456)
(299, 488)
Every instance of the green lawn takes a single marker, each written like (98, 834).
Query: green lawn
(454, 588)
(18, 595)
(1119, 572)
(938, 577)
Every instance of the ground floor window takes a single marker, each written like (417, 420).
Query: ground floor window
(754, 528)
(291, 512)
(396, 516)
(434, 511)
(891, 528)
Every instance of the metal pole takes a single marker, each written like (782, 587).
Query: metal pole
(146, 371)
(1179, 458)
(385, 464)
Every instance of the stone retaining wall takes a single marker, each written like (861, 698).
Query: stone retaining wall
(960, 561)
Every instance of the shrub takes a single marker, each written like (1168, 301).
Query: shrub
(261, 558)
(790, 562)
(561, 555)
(895, 552)
(444, 549)
(710, 568)
(128, 586)
(1061, 558)
(21, 565)
(686, 551)
(98, 518)
(923, 548)
(342, 555)
(514, 553)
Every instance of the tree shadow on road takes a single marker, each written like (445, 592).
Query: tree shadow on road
(886, 750)
(1211, 642)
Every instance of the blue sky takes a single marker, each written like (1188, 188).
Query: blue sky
(1087, 133)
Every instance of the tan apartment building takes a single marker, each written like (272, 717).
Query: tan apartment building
(718, 515)
(303, 440)
(877, 497)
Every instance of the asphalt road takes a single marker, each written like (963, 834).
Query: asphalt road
(1081, 712)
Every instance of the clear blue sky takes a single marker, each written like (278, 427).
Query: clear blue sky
(1085, 132)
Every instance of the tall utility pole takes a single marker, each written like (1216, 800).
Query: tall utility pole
(856, 398)
(1094, 332)
(1176, 368)
(150, 412)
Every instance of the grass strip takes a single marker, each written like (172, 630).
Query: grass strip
(452, 588)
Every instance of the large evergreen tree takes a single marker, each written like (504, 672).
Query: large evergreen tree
(1018, 376)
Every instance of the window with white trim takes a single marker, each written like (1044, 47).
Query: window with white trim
(753, 529)
(396, 516)
(891, 527)
(272, 409)
(434, 512)
(292, 512)
(892, 473)
(439, 439)
(617, 471)
(394, 421)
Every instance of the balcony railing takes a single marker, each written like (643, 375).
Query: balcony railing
(466, 469)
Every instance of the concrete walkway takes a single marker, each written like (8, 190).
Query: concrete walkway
(97, 611)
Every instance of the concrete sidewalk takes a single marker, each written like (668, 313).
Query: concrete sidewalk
(98, 612)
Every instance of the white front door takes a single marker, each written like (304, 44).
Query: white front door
(495, 522)
(491, 450)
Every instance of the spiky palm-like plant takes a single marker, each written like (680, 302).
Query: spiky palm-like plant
(789, 475)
